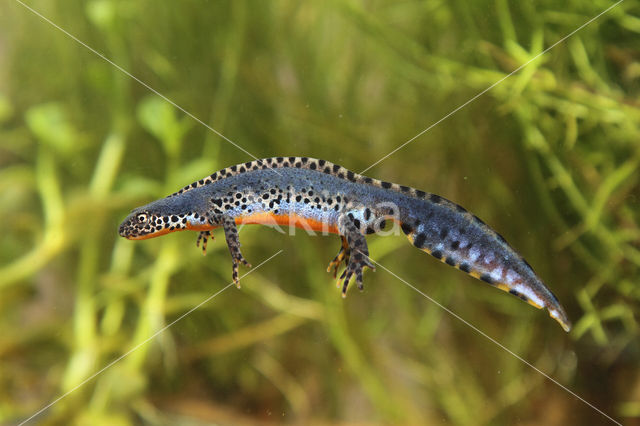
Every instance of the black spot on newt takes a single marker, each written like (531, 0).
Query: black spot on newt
(419, 240)
(487, 278)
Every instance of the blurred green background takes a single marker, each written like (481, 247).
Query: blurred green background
(549, 158)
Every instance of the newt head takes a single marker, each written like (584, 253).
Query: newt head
(145, 222)
(142, 224)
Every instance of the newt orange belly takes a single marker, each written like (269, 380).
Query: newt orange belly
(291, 220)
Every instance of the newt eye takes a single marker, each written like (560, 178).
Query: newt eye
(142, 218)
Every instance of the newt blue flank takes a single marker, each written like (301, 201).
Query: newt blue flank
(320, 196)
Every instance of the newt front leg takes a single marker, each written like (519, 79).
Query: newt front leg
(233, 242)
(204, 236)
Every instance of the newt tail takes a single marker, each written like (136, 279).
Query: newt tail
(317, 195)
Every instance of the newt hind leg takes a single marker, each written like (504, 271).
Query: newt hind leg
(354, 252)
(343, 256)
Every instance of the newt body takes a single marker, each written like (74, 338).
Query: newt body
(321, 196)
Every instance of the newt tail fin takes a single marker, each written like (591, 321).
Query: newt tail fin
(489, 258)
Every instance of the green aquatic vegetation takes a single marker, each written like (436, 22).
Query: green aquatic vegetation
(549, 157)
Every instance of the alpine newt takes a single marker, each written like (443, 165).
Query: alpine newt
(320, 196)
